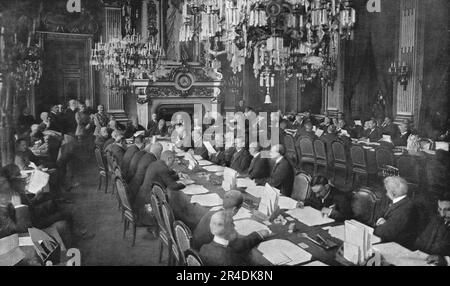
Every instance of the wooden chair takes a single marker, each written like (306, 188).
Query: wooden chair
(363, 204)
(160, 192)
(101, 169)
(128, 214)
(193, 258)
(359, 162)
(302, 187)
(384, 158)
(306, 151)
(163, 233)
(291, 152)
(339, 157)
(169, 220)
(321, 155)
(183, 237)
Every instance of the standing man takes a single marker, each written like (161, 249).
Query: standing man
(152, 125)
(70, 123)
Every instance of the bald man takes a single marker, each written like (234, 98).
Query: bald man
(399, 223)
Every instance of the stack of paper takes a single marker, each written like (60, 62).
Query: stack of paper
(247, 226)
(357, 242)
(243, 213)
(309, 216)
(214, 168)
(339, 233)
(269, 200)
(286, 203)
(194, 190)
(245, 183)
(208, 200)
(396, 254)
(283, 252)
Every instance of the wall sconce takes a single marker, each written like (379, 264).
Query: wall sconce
(401, 72)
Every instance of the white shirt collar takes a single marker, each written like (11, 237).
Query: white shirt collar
(396, 200)
(221, 241)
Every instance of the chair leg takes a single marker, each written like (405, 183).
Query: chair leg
(106, 183)
(124, 228)
(169, 250)
(160, 250)
(99, 183)
(134, 233)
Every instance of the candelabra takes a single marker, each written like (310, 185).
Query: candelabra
(400, 72)
(267, 80)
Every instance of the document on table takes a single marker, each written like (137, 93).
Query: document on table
(38, 181)
(245, 183)
(209, 147)
(214, 168)
(247, 226)
(208, 200)
(243, 213)
(195, 190)
(269, 200)
(283, 252)
(204, 163)
(25, 241)
(10, 253)
(396, 254)
(319, 132)
(442, 145)
(309, 216)
(255, 191)
(286, 203)
(339, 233)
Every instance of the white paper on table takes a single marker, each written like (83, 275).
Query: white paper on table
(255, 191)
(316, 263)
(309, 216)
(286, 203)
(204, 163)
(247, 226)
(209, 147)
(339, 233)
(396, 254)
(214, 168)
(38, 181)
(142, 132)
(269, 200)
(208, 200)
(281, 251)
(229, 179)
(243, 213)
(186, 182)
(245, 183)
(319, 132)
(220, 174)
(386, 138)
(10, 253)
(195, 190)
(358, 123)
(441, 145)
(25, 241)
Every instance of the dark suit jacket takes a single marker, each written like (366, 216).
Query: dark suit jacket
(133, 165)
(259, 168)
(281, 177)
(228, 155)
(107, 143)
(201, 151)
(138, 177)
(117, 151)
(401, 140)
(435, 239)
(241, 161)
(218, 158)
(70, 124)
(401, 223)
(151, 127)
(374, 135)
(342, 208)
(129, 153)
(55, 122)
(391, 130)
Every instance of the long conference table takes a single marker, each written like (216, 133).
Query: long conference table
(191, 213)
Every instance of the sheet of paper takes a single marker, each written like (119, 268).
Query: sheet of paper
(386, 138)
(208, 200)
(142, 132)
(247, 226)
(358, 123)
(255, 191)
(286, 203)
(269, 200)
(10, 253)
(441, 145)
(214, 168)
(209, 147)
(25, 241)
(245, 183)
(283, 252)
(319, 132)
(309, 216)
(243, 213)
(186, 181)
(198, 157)
(339, 233)
(204, 163)
(352, 253)
(38, 181)
(316, 263)
(195, 190)
(396, 254)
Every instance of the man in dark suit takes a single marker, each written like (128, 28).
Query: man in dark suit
(152, 125)
(117, 149)
(435, 238)
(373, 132)
(138, 177)
(306, 130)
(222, 251)
(401, 138)
(399, 223)
(282, 173)
(70, 123)
(389, 127)
(332, 202)
(259, 167)
(129, 153)
(241, 158)
(134, 165)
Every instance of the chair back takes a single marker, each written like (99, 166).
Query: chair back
(320, 150)
(358, 155)
(302, 187)
(160, 192)
(363, 205)
(123, 196)
(193, 258)
(183, 235)
(99, 159)
(408, 168)
(384, 157)
(169, 220)
(306, 147)
(291, 152)
(338, 150)
(156, 207)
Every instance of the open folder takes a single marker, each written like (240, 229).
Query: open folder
(283, 252)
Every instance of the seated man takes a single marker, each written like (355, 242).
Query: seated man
(139, 142)
(199, 148)
(328, 199)
(117, 148)
(104, 139)
(259, 166)
(241, 158)
(372, 131)
(399, 223)
(221, 250)
(129, 153)
(24, 156)
(282, 173)
(435, 239)
(389, 127)
(219, 157)
(152, 125)
(307, 131)
(401, 138)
